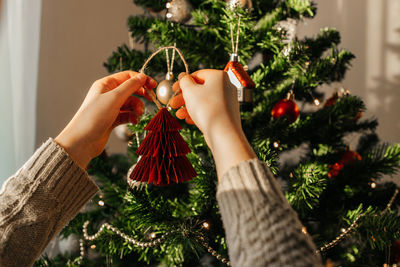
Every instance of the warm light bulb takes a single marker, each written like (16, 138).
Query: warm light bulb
(93, 246)
(276, 144)
(206, 225)
(304, 230)
(168, 5)
(153, 235)
(316, 102)
(169, 15)
(373, 185)
(101, 203)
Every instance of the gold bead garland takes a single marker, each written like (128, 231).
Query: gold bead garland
(127, 238)
(342, 236)
(134, 242)
(354, 226)
(213, 252)
(202, 240)
(389, 205)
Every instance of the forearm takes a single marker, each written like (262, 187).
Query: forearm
(38, 201)
(229, 147)
(261, 227)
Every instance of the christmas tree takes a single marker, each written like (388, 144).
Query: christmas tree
(336, 190)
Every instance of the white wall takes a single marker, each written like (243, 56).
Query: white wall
(371, 30)
(77, 37)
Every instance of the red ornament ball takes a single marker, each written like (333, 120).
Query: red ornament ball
(348, 157)
(286, 107)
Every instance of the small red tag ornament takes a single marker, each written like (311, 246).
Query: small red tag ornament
(163, 151)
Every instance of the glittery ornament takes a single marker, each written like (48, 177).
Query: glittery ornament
(179, 11)
(232, 4)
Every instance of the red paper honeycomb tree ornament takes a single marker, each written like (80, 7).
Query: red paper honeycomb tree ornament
(163, 152)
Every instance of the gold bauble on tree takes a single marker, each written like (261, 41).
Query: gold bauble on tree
(179, 11)
(164, 89)
(242, 3)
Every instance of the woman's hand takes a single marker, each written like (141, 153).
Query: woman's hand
(108, 103)
(211, 103)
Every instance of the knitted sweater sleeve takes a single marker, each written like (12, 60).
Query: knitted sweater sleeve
(38, 201)
(261, 227)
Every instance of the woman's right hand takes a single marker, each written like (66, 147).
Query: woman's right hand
(211, 101)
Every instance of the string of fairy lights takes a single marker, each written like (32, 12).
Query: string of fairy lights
(155, 242)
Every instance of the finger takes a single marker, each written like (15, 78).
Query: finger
(180, 76)
(202, 75)
(116, 79)
(147, 93)
(189, 120)
(175, 86)
(122, 118)
(182, 113)
(134, 118)
(177, 101)
(187, 82)
(133, 104)
(129, 87)
(195, 76)
(197, 79)
(126, 117)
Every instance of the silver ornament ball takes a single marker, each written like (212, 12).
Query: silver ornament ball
(179, 11)
(164, 89)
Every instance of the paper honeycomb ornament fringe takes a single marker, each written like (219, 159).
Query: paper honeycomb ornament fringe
(163, 152)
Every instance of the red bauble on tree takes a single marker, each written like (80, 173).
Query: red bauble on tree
(348, 157)
(163, 153)
(336, 96)
(286, 108)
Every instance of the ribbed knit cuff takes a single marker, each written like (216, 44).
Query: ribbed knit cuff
(249, 176)
(67, 182)
(38, 201)
(53, 171)
(261, 228)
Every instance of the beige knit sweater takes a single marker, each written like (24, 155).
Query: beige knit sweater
(50, 189)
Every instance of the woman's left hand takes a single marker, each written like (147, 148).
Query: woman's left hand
(108, 104)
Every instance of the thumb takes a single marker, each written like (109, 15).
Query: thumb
(187, 82)
(130, 86)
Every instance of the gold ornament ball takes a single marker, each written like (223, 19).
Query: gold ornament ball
(232, 4)
(179, 11)
(164, 91)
